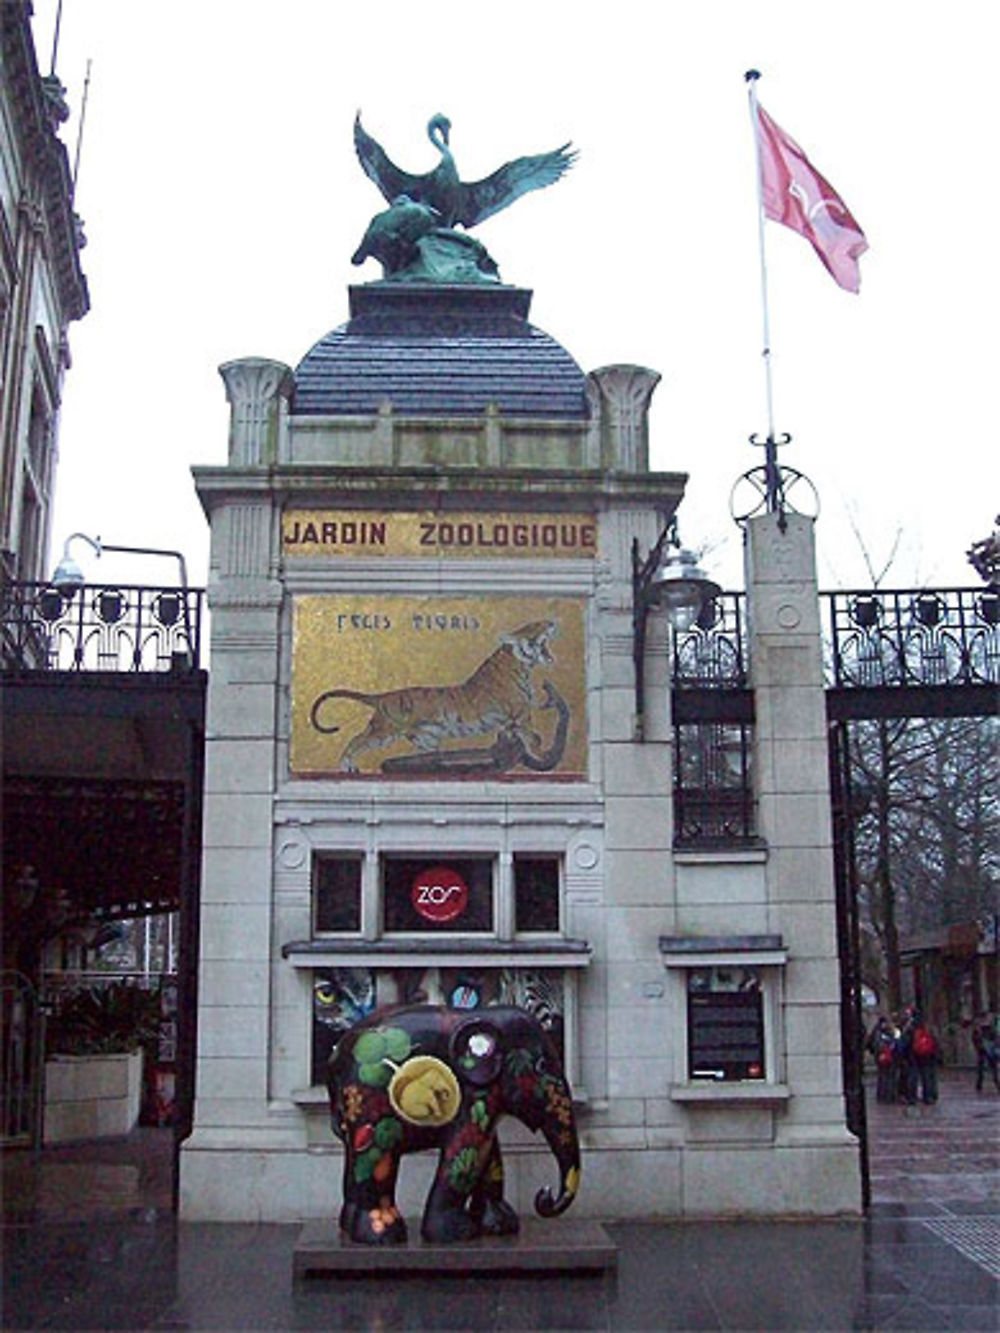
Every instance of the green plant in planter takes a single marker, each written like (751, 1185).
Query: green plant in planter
(104, 1020)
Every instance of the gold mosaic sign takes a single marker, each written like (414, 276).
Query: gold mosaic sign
(395, 686)
(364, 533)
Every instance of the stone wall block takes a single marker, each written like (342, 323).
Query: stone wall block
(636, 770)
(233, 983)
(235, 931)
(791, 713)
(637, 878)
(790, 819)
(709, 882)
(242, 711)
(221, 1078)
(633, 933)
(639, 822)
(803, 1181)
(809, 930)
(238, 821)
(636, 1076)
(239, 766)
(812, 1029)
(722, 919)
(812, 981)
(618, 714)
(792, 765)
(236, 875)
(237, 1032)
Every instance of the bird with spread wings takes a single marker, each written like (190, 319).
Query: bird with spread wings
(458, 202)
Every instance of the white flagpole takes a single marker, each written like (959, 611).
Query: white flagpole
(751, 76)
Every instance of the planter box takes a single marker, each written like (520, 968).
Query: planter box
(91, 1096)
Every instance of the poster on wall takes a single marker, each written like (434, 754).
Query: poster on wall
(394, 686)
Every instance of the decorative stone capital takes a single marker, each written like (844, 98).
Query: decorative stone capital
(258, 391)
(623, 394)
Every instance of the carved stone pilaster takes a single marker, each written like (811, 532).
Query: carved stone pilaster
(258, 391)
(624, 397)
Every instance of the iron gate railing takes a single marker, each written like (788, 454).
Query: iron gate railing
(918, 636)
(22, 1038)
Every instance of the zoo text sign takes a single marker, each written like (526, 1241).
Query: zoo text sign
(364, 533)
(439, 894)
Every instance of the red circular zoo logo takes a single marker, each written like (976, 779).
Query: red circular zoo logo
(439, 894)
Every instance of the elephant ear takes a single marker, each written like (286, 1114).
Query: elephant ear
(475, 1052)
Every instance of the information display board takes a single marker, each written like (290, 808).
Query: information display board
(725, 1028)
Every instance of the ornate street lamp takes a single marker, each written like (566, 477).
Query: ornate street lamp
(68, 576)
(668, 579)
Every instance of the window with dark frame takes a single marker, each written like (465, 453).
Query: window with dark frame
(536, 894)
(336, 894)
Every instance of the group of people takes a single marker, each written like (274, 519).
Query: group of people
(907, 1056)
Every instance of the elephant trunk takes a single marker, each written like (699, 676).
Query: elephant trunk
(562, 1138)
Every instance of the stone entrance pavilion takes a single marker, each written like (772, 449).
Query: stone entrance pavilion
(429, 775)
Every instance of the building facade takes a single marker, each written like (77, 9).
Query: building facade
(428, 776)
(42, 290)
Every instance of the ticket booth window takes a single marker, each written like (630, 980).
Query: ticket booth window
(725, 1023)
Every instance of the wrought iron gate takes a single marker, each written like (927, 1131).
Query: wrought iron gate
(22, 1041)
(920, 653)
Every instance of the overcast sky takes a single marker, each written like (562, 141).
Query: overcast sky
(222, 201)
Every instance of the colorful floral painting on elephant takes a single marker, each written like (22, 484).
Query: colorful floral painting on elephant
(430, 1077)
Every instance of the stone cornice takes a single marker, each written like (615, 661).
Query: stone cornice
(437, 488)
(43, 155)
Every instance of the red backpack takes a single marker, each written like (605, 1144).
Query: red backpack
(924, 1044)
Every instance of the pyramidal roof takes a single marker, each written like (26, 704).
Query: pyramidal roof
(439, 351)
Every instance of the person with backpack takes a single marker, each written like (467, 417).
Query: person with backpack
(925, 1056)
(881, 1043)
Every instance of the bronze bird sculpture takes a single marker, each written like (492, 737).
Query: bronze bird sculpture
(458, 202)
(392, 236)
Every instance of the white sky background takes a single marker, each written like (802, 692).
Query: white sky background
(222, 201)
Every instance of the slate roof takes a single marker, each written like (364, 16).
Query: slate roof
(440, 352)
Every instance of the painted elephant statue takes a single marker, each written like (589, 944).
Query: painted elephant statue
(426, 1076)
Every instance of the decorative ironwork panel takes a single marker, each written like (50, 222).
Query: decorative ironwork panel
(711, 654)
(713, 785)
(99, 628)
(926, 637)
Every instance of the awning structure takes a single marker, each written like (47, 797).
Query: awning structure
(101, 793)
(103, 849)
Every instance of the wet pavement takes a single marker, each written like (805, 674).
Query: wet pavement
(927, 1256)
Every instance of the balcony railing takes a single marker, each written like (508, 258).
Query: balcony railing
(874, 637)
(99, 627)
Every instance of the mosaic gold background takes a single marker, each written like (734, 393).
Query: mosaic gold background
(375, 644)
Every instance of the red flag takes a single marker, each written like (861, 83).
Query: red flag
(796, 194)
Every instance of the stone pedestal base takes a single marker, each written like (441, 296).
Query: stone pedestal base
(540, 1247)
